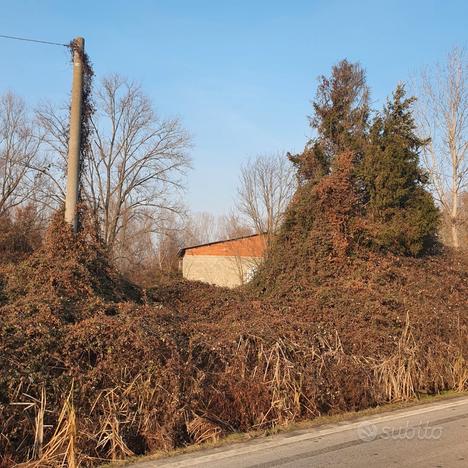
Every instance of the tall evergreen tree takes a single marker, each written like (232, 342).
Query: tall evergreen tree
(401, 213)
(340, 120)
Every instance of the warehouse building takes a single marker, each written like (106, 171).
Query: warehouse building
(228, 263)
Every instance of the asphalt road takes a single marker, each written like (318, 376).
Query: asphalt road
(432, 435)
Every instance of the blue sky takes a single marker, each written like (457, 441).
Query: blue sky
(240, 74)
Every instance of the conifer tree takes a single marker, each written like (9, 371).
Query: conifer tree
(340, 120)
(401, 213)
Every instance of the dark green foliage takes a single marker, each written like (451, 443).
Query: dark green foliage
(401, 214)
(341, 111)
(392, 209)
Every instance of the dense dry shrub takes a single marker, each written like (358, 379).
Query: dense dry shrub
(67, 270)
(321, 228)
(197, 362)
(20, 234)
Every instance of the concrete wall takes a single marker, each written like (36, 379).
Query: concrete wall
(249, 246)
(221, 270)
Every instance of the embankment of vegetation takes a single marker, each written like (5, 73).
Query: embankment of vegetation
(94, 370)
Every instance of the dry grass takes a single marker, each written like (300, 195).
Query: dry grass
(108, 437)
(240, 437)
(459, 371)
(398, 374)
(262, 386)
(60, 450)
(202, 430)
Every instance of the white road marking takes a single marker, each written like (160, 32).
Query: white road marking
(311, 435)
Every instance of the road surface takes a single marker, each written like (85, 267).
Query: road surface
(432, 435)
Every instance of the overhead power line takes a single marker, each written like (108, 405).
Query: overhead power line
(33, 40)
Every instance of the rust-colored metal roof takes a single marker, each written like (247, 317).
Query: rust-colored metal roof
(246, 246)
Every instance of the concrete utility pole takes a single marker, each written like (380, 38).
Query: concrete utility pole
(73, 171)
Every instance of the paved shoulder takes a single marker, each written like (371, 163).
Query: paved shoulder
(430, 435)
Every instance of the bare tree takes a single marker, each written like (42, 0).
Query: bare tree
(232, 225)
(169, 240)
(136, 159)
(147, 249)
(54, 124)
(134, 249)
(266, 186)
(19, 149)
(200, 228)
(443, 116)
(464, 218)
(204, 227)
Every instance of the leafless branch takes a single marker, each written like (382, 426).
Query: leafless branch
(266, 186)
(19, 152)
(443, 115)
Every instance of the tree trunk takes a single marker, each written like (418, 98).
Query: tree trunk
(455, 240)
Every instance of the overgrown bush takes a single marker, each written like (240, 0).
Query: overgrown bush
(20, 233)
(98, 376)
(400, 212)
(392, 206)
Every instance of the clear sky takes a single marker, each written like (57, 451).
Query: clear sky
(240, 74)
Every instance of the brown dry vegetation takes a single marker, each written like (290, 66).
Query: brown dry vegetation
(94, 369)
